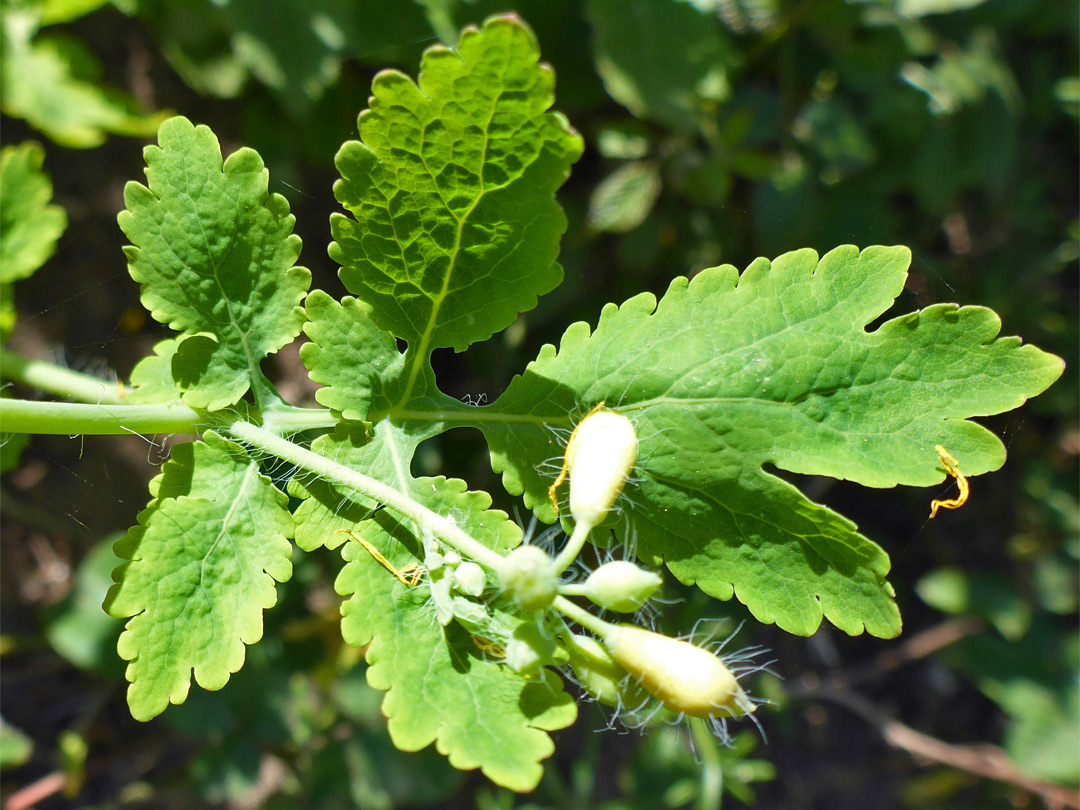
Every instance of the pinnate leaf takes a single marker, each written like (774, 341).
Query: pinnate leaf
(204, 558)
(442, 687)
(454, 227)
(214, 253)
(731, 372)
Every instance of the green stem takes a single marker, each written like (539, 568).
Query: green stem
(712, 769)
(425, 519)
(582, 616)
(573, 546)
(62, 382)
(292, 419)
(71, 418)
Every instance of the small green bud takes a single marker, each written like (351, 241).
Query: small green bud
(621, 586)
(470, 578)
(529, 575)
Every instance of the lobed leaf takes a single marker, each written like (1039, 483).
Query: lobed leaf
(360, 365)
(357, 361)
(454, 226)
(441, 686)
(214, 253)
(729, 373)
(327, 509)
(152, 377)
(29, 225)
(203, 561)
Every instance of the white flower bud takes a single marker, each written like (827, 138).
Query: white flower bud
(621, 586)
(529, 575)
(470, 578)
(684, 677)
(601, 452)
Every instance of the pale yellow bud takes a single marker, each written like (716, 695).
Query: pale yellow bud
(682, 676)
(601, 452)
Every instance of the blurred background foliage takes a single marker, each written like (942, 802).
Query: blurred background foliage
(716, 131)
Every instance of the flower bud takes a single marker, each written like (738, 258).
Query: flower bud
(684, 677)
(601, 452)
(621, 586)
(529, 575)
(470, 578)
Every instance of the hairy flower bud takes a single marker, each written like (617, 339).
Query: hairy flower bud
(684, 677)
(529, 575)
(599, 457)
(621, 586)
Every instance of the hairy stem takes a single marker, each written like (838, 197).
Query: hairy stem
(573, 546)
(71, 418)
(581, 616)
(62, 382)
(425, 519)
(109, 418)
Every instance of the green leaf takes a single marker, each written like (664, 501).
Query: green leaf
(622, 200)
(214, 253)
(77, 628)
(990, 597)
(57, 11)
(661, 59)
(15, 746)
(348, 353)
(454, 226)
(360, 365)
(152, 377)
(729, 373)
(29, 226)
(1036, 681)
(442, 687)
(204, 558)
(54, 83)
(327, 510)
(11, 447)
